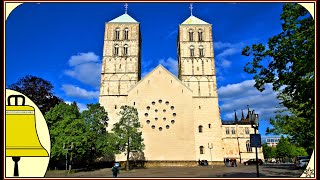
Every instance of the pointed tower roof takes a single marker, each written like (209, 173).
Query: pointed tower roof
(235, 117)
(125, 18)
(242, 116)
(194, 20)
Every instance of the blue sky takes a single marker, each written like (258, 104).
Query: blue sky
(43, 39)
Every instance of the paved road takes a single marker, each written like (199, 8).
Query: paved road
(269, 170)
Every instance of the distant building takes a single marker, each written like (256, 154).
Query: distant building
(236, 139)
(272, 141)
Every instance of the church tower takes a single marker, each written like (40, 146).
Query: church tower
(197, 71)
(121, 66)
(196, 57)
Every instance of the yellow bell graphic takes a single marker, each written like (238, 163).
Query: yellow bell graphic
(21, 134)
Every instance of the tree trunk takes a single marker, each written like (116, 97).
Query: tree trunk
(128, 152)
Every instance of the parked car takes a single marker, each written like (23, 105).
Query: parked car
(302, 163)
(253, 162)
(273, 160)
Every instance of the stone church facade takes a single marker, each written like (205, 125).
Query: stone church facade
(179, 116)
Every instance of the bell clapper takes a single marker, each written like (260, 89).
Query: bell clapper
(16, 169)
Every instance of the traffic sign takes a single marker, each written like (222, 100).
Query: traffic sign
(255, 140)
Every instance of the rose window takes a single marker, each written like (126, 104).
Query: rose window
(160, 115)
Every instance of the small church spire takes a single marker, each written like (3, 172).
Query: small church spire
(125, 8)
(235, 117)
(191, 7)
(242, 116)
(248, 112)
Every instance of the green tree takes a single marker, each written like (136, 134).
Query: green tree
(129, 137)
(288, 63)
(38, 90)
(101, 143)
(286, 149)
(268, 152)
(85, 130)
(66, 127)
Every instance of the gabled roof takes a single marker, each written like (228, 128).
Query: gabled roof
(194, 20)
(163, 68)
(125, 18)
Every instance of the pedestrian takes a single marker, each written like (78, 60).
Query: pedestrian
(235, 163)
(199, 162)
(115, 171)
(225, 162)
(228, 162)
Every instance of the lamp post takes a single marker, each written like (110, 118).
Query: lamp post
(67, 150)
(254, 120)
(210, 147)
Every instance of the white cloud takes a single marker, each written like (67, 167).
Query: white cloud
(74, 91)
(238, 96)
(227, 50)
(221, 45)
(86, 68)
(225, 63)
(81, 106)
(83, 58)
(171, 64)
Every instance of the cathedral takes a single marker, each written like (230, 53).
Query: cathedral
(179, 116)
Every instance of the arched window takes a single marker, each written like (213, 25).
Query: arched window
(125, 50)
(117, 34)
(201, 150)
(227, 131)
(190, 35)
(201, 51)
(116, 50)
(249, 148)
(191, 51)
(246, 130)
(200, 35)
(126, 33)
(200, 129)
(233, 131)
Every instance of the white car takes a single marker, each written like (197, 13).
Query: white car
(302, 163)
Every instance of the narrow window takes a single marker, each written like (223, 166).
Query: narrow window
(201, 150)
(126, 34)
(201, 53)
(115, 106)
(116, 50)
(117, 34)
(200, 129)
(249, 148)
(125, 50)
(200, 35)
(247, 130)
(191, 51)
(227, 131)
(190, 35)
(233, 131)
(209, 125)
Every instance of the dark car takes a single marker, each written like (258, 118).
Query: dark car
(253, 162)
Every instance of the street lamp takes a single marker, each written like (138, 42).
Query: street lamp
(67, 150)
(254, 120)
(210, 147)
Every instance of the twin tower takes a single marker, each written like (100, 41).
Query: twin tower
(179, 116)
(121, 68)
